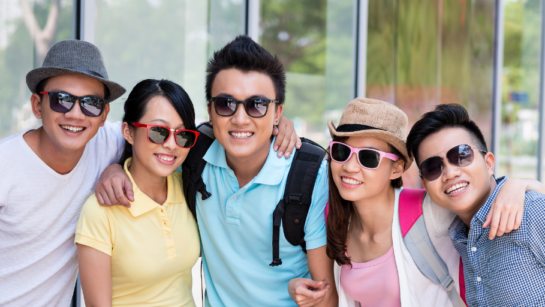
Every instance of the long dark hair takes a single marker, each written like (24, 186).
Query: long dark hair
(339, 214)
(137, 102)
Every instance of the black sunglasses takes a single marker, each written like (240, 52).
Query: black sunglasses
(255, 107)
(63, 102)
(461, 155)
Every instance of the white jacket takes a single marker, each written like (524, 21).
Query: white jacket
(415, 289)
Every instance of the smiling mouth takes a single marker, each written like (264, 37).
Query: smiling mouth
(351, 181)
(72, 128)
(241, 135)
(456, 188)
(165, 158)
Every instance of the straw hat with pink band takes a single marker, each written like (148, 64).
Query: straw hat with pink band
(374, 118)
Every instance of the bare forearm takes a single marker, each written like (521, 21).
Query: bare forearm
(95, 276)
(321, 268)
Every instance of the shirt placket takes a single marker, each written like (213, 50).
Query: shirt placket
(475, 255)
(232, 206)
(163, 212)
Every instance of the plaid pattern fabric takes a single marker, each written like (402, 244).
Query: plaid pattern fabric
(509, 270)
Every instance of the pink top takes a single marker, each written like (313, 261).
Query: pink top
(373, 283)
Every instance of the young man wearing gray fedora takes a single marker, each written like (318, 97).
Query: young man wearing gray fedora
(53, 170)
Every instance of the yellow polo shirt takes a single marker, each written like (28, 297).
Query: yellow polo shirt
(153, 247)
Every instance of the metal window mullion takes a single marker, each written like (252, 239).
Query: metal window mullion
(496, 79)
(252, 19)
(360, 43)
(541, 131)
(87, 21)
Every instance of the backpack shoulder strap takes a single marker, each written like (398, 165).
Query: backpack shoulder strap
(193, 167)
(292, 210)
(419, 245)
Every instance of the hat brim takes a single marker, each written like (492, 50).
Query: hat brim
(35, 76)
(386, 136)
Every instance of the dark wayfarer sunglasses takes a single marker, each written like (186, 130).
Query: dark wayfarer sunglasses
(367, 157)
(255, 107)
(63, 102)
(461, 155)
(160, 134)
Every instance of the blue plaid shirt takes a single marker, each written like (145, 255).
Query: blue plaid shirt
(509, 270)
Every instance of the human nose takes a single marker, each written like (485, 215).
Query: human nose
(76, 112)
(171, 141)
(240, 117)
(352, 165)
(450, 171)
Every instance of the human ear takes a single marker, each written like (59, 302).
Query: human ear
(36, 104)
(278, 113)
(105, 114)
(208, 108)
(490, 161)
(128, 133)
(397, 169)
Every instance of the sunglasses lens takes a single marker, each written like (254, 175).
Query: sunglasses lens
(61, 102)
(461, 155)
(369, 158)
(432, 168)
(186, 138)
(158, 135)
(225, 106)
(92, 106)
(257, 107)
(340, 152)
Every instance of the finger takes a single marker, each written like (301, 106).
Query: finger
(284, 146)
(313, 295)
(275, 130)
(280, 137)
(291, 145)
(511, 222)
(127, 187)
(494, 224)
(119, 195)
(110, 194)
(488, 217)
(315, 283)
(518, 220)
(99, 198)
(299, 143)
(106, 199)
(503, 225)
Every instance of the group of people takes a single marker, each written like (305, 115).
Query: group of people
(109, 200)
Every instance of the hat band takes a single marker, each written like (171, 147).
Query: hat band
(89, 72)
(355, 127)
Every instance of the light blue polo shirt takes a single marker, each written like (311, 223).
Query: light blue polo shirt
(236, 226)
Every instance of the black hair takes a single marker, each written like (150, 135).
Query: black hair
(246, 55)
(41, 86)
(137, 102)
(444, 116)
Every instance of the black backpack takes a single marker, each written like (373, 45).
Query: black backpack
(292, 210)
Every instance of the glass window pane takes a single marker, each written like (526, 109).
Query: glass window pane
(423, 52)
(164, 39)
(315, 41)
(20, 53)
(520, 89)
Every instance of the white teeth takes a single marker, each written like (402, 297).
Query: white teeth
(165, 158)
(457, 187)
(241, 135)
(73, 129)
(350, 181)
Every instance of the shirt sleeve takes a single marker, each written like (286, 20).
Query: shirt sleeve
(315, 232)
(535, 217)
(94, 228)
(112, 133)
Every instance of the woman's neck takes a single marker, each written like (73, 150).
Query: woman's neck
(154, 186)
(374, 215)
(246, 168)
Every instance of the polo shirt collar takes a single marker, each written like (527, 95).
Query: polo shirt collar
(143, 203)
(271, 173)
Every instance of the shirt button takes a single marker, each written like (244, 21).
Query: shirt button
(168, 237)
(479, 279)
(473, 249)
(166, 208)
(233, 198)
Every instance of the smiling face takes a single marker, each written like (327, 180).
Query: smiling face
(241, 135)
(462, 190)
(70, 131)
(158, 160)
(356, 183)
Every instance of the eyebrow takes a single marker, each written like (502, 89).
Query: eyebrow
(180, 126)
(63, 91)
(253, 96)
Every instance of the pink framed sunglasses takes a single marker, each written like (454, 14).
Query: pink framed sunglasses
(367, 157)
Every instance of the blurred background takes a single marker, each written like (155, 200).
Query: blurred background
(483, 54)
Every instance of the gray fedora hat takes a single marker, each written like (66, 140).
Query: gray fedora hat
(74, 57)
